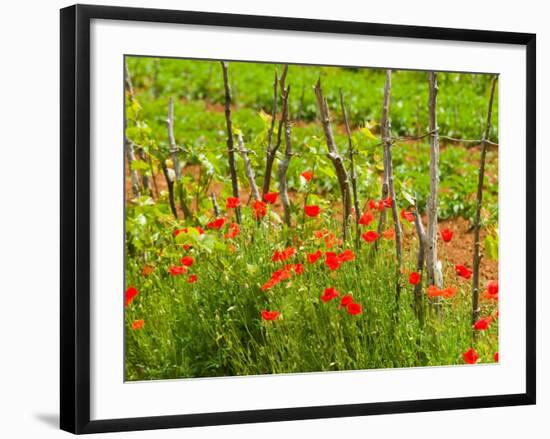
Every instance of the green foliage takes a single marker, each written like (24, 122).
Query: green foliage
(213, 327)
(462, 99)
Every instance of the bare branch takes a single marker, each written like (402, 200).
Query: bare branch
(248, 167)
(128, 145)
(384, 120)
(270, 154)
(172, 139)
(182, 195)
(215, 205)
(130, 158)
(272, 149)
(334, 156)
(477, 221)
(419, 263)
(128, 82)
(230, 148)
(386, 127)
(170, 185)
(435, 276)
(353, 174)
(284, 163)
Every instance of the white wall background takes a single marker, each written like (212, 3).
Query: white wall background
(29, 206)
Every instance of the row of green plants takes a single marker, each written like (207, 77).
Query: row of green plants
(462, 97)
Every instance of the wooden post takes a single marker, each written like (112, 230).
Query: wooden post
(388, 172)
(215, 205)
(334, 157)
(477, 222)
(384, 120)
(175, 160)
(248, 168)
(128, 145)
(283, 164)
(230, 145)
(271, 149)
(130, 158)
(353, 174)
(419, 264)
(433, 268)
(170, 185)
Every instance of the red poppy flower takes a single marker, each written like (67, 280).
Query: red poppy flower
(217, 224)
(178, 231)
(320, 233)
(491, 293)
(270, 315)
(446, 235)
(346, 300)
(329, 294)
(483, 324)
(177, 270)
(192, 279)
(373, 205)
(331, 240)
(388, 202)
(187, 261)
(492, 287)
(278, 276)
(354, 308)
(234, 230)
(298, 268)
(314, 257)
(414, 278)
(332, 261)
(463, 271)
(366, 218)
(232, 202)
(271, 197)
(495, 357)
(406, 215)
(186, 246)
(446, 293)
(283, 255)
(389, 234)
(312, 210)
(138, 324)
(147, 270)
(307, 175)
(370, 236)
(470, 356)
(130, 295)
(346, 255)
(260, 209)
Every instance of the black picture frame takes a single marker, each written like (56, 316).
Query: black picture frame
(75, 217)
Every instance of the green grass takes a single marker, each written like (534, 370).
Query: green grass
(462, 97)
(214, 328)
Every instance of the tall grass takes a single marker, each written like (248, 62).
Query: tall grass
(213, 327)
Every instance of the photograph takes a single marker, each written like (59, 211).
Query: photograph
(294, 218)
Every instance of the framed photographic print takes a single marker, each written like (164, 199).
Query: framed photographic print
(267, 218)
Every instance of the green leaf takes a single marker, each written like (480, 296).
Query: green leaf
(190, 235)
(408, 196)
(266, 118)
(367, 132)
(140, 165)
(491, 246)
